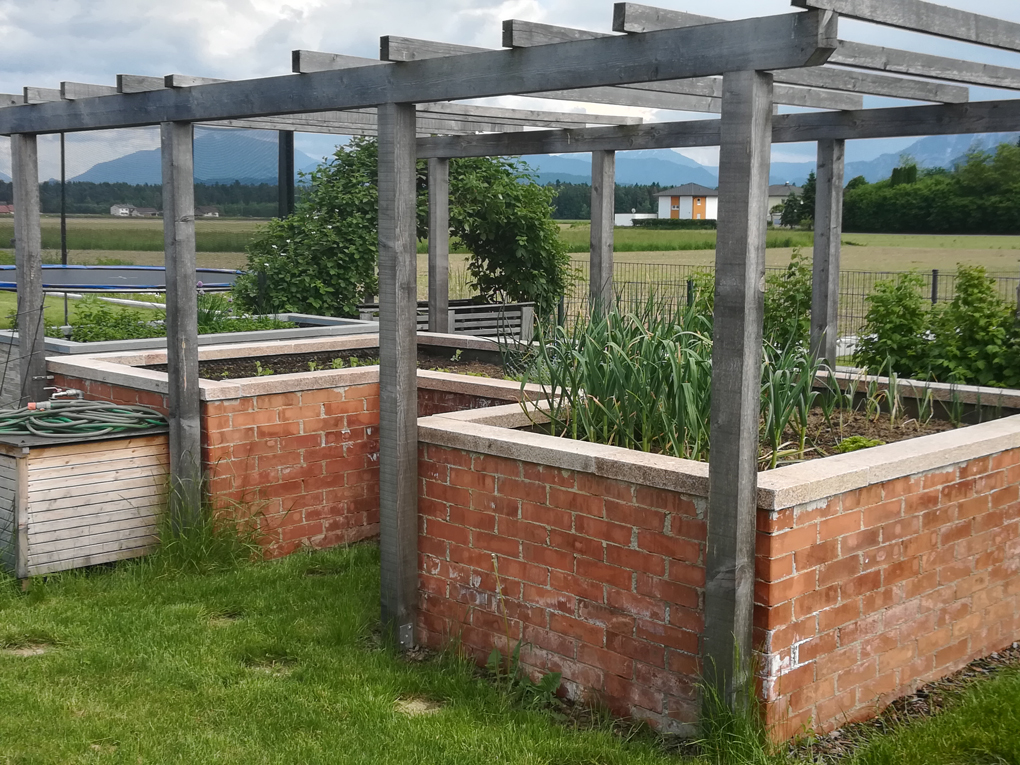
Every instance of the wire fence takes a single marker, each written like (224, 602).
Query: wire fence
(674, 284)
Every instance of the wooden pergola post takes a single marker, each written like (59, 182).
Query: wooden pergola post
(736, 379)
(177, 140)
(285, 174)
(398, 356)
(439, 245)
(603, 208)
(28, 264)
(828, 233)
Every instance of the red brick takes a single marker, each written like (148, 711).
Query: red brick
(546, 556)
(596, 528)
(841, 525)
(577, 545)
(524, 490)
(635, 560)
(575, 502)
(630, 514)
(637, 605)
(583, 631)
(794, 540)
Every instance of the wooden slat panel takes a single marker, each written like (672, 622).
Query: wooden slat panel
(115, 512)
(60, 539)
(74, 492)
(42, 456)
(108, 479)
(145, 547)
(62, 508)
(92, 554)
(47, 460)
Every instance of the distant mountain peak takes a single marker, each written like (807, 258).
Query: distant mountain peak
(221, 156)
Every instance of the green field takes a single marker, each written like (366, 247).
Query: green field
(221, 242)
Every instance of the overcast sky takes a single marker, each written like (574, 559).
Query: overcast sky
(47, 41)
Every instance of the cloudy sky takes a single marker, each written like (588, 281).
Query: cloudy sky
(48, 41)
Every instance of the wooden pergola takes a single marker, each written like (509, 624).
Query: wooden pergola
(409, 98)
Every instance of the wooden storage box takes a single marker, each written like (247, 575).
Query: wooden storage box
(68, 505)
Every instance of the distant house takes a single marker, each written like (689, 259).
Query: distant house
(778, 195)
(207, 212)
(130, 211)
(692, 201)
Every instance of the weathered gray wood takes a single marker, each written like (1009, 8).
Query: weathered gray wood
(137, 83)
(828, 230)
(439, 245)
(918, 16)
(398, 354)
(305, 61)
(285, 173)
(40, 95)
(185, 499)
(736, 381)
(603, 207)
(896, 61)
(943, 119)
(72, 91)
(528, 34)
(188, 81)
(776, 42)
(633, 17)
(28, 262)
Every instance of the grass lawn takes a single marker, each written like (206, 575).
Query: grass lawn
(281, 663)
(262, 664)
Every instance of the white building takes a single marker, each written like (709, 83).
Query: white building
(691, 201)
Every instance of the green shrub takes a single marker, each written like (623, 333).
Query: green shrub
(895, 331)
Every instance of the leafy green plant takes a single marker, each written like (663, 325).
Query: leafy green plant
(856, 443)
(894, 335)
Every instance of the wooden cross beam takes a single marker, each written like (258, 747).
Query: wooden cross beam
(919, 16)
(520, 34)
(633, 17)
(775, 42)
(898, 122)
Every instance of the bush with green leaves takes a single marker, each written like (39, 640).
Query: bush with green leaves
(973, 340)
(896, 326)
(323, 258)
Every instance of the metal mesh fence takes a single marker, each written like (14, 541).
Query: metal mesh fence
(671, 284)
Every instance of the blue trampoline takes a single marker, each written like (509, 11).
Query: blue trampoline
(58, 278)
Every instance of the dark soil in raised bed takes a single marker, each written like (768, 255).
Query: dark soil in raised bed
(255, 366)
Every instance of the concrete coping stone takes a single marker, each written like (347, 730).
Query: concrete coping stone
(491, 431)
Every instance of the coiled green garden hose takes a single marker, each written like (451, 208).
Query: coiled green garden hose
(74, 419)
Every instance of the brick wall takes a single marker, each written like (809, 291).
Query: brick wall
(865, 597)
(601, 579)
(304, 463)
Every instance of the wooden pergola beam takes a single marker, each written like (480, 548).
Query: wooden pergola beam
(896, 122)
(634, 17)
(928, 18)
(777, 42)
(523, 34)
(637, 18)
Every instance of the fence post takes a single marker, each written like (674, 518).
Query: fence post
(934, 286)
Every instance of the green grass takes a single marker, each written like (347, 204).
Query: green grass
(981, 728)
(261, 664)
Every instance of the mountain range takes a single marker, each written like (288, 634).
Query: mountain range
(250, 157)
(221, 156)
(670, 168)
